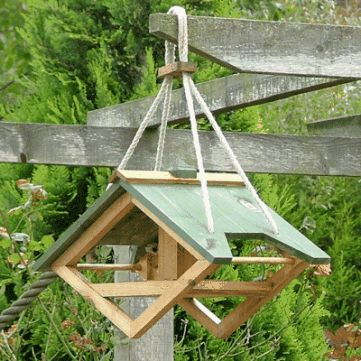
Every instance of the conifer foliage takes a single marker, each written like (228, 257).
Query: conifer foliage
(61, 59)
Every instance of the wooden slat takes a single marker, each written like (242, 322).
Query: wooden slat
(207, 288)
(176, 69)
(162, 224)
(263, 153)
(139, 177)
(225, 94)
(262, 260)
(107, 308)
(348, 126)
(170, 297)
(107, 267)
(252, 304)
(167, 256)
(75, 230)
(96, 231)
(201, 314)
(270, 47)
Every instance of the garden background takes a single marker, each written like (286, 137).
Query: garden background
(61, 59)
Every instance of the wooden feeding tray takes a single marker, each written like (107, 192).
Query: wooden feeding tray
(146, 208)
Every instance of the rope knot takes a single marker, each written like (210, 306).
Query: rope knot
(176, 69)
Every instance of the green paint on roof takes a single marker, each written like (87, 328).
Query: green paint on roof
(71, 234)
(236, 215)
(235, 212)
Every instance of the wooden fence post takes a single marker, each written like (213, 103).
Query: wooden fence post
(157, 343)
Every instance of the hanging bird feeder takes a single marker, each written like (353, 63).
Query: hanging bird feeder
(147, 208)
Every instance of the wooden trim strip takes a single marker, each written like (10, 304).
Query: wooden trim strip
(152, 177)
(108, 267)
(170, 297)
(260, 153)
(90, 238)
(206, 288)
(84, 288)
(263, 260)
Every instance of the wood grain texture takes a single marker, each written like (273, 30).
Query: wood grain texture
(252, 304)
(224, 94)
(106, 307)
(170, 297)
(348, 126)
(255, 46)
(92, 235)
(262, 153)
(236, 216)
(205, 288)
(76, 230)
(156, 177)
(167, 256)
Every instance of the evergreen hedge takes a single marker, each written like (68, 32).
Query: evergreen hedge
(61, 59)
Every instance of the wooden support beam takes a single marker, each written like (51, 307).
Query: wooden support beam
(223, 328)
(263, 153)
(167, 256)
(84, 288)
(108, 267)
(348, 126)
(95, 232)
(263, 260)
(201, 314)
(255, 46)
(252, 304)
(153, 177)
(224, 94)
(206, 288)
(170, 297)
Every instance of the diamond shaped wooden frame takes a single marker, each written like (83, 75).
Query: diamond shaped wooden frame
(178, 278)
(65, 267)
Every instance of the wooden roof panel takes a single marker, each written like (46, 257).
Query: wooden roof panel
(180, 207)
(235, 214)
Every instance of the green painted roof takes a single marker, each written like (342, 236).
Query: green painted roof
(71, 234)
(235, 212)
(236, 216)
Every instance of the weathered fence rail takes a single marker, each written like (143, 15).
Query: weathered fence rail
(270, 47)
(224, 94)
(97, 146)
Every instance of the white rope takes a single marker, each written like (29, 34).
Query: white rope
(163, 125)
(189, 89)
(233, 158)
(187, 81)
(169, 58)
(197, 147)
(142, 127)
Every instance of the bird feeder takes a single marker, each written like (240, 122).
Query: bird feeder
(162, 214)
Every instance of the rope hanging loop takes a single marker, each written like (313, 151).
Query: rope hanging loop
(185, 68)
